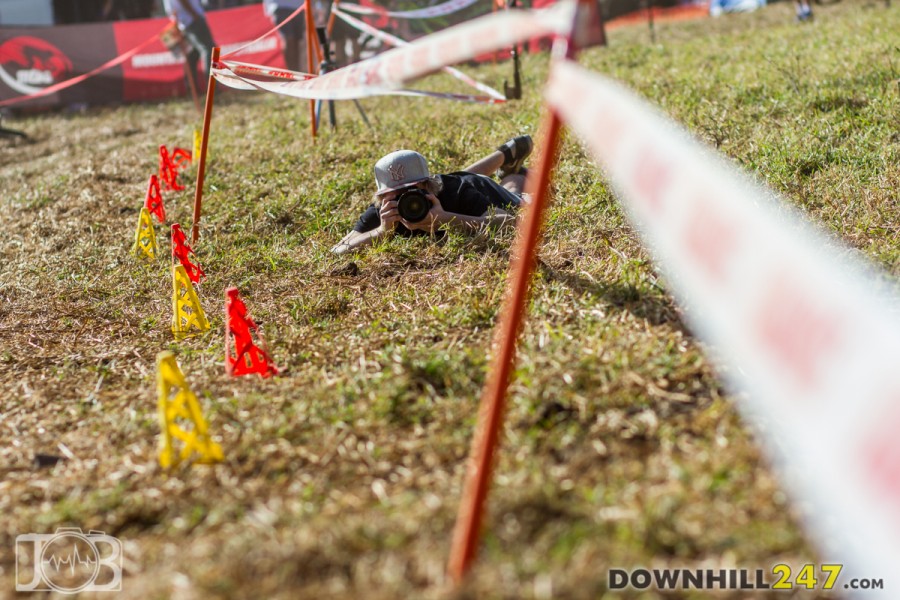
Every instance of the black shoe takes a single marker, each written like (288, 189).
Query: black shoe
(515, 151)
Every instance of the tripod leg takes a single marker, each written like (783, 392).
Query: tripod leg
(11, 132)
(515, 92)
(363, 113)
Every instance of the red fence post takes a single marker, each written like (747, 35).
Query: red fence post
(493, 397)
(204, 140)
(310, 32)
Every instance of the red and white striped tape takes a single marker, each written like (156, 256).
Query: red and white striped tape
(231, 77)
(251, 70)
(387, 72)
(799, 321)
(447, 8)
(393, 40)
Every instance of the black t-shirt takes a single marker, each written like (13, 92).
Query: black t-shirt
(463, 193)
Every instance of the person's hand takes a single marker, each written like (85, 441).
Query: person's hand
(435, 218)
(389, 215)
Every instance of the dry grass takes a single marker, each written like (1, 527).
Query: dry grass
(342, 476)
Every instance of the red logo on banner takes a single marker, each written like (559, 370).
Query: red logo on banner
(29, 64)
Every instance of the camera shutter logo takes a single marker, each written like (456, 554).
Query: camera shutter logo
(68, 561)
(396, 172)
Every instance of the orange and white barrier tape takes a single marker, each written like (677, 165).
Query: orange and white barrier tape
(251, 70)
(447, 8)
(387, 72)
(797, 320)
(393, 40)
(232, 78)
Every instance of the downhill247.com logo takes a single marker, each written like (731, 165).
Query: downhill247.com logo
(29, 64)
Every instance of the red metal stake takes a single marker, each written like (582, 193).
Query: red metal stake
(329, 28)
(493, 398)
(310, 63)
(204, 140)
(320, 54)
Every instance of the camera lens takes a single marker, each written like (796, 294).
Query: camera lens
(413, 205)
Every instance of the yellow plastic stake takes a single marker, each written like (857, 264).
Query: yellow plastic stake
(188, 317)
(144, 238)
(182, 405)
(196, 155)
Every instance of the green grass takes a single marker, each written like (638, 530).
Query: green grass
(343, 475)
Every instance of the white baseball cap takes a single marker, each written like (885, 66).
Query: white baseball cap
(399, 170)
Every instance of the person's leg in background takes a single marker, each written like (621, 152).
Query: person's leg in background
(346, 43)
(200, 38)
(191, 58)
(291, 36)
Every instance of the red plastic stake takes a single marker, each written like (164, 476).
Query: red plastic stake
(181, 158)
(182, 252)
(168, 172)
(154, 202)
(247, 357)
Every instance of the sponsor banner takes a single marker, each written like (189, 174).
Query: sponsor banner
(793, 317)
(32, 59)
(158, 73)
(73, 81)
(153, 73)
(387, 72)
(35, 58)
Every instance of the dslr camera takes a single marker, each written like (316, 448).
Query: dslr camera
(413, 205)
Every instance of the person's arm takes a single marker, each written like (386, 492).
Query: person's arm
(388, 219)
(358, 239)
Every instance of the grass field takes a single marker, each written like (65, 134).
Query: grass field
(343, 476)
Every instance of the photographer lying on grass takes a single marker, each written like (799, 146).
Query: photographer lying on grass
(410, 201)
